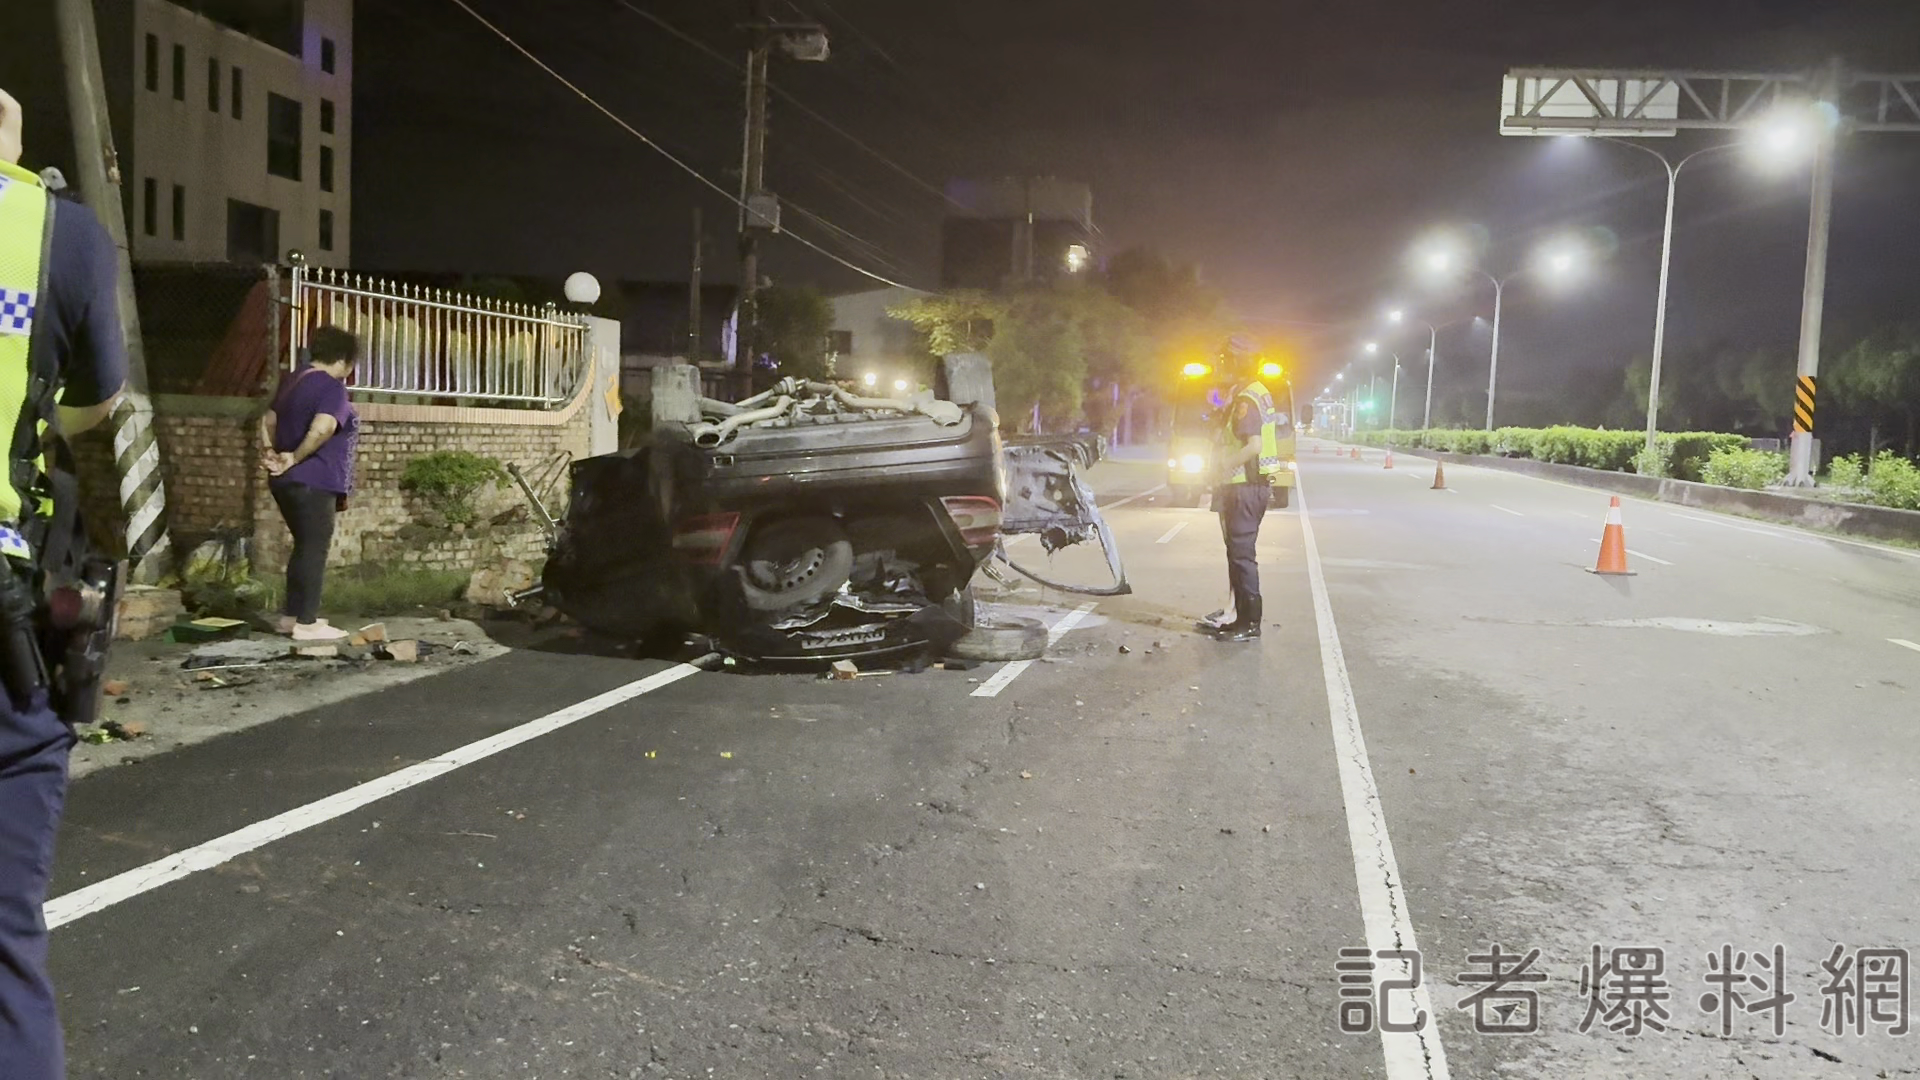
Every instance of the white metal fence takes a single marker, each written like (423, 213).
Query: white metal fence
(432, 343)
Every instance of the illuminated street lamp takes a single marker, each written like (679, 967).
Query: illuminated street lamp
(1560, 261)
(1397, 316)
(870, 378)
(1788, 133)
(900, 384)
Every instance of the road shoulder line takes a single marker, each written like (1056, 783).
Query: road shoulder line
(1383, 902)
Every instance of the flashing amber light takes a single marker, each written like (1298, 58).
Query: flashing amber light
(1196, 371)
(1269, 370)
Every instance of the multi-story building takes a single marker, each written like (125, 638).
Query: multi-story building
(233, 120)
(1011, 231)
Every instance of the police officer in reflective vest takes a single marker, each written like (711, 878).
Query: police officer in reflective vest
(1245, 461)
(62, 364)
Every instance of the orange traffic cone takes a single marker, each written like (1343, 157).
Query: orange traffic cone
(1439, 476)
(1389, 463)
(1613, 544)
(1356, 453)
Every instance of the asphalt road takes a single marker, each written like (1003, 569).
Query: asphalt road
(1138, 859)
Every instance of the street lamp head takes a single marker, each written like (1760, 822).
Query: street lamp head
(1396, 315)
(870, 378)
(899, 384)
(1339, 375)
(1790, 132)
(1372, 347)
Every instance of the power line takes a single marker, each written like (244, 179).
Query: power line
(656, 147)
(791, 100)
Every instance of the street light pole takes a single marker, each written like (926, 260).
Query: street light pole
(1493, 362)
(1666, 262)
(1393, 399)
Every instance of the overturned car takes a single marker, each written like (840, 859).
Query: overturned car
(809, 524)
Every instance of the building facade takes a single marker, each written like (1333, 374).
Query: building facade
(242, 124)
(233, 120)
(1002, 232)
(865, 339)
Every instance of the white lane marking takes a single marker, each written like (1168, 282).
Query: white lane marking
(1383, 902)
(1781, 534)
(100, 895)
(1504, 510)
(1000, 679)
(1904, 643)
(1637, 554)
(1171, 533)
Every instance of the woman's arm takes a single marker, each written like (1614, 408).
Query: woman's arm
(318, 432)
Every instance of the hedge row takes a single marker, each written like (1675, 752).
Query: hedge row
(1684, 454)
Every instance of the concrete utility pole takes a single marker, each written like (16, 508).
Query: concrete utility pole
(753, 166)
(1813, 295)
(136, 452)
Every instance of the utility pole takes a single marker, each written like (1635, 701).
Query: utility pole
(1800, 463)
(753, 175)
(143, 496)
(693, 291)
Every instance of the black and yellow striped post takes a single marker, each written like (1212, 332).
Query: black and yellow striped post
(1803, 405)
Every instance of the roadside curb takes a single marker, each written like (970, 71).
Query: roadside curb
(1847, 519)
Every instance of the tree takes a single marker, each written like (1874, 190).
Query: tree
(1879, 377)
(794, 323)
(958, 322)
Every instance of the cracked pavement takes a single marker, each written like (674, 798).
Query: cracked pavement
(1128, 864)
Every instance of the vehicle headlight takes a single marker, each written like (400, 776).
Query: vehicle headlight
(1193, 463)
(1173, 463)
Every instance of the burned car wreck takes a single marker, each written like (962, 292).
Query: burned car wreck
(808, 524)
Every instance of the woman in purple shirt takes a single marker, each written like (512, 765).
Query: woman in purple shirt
(313, 428)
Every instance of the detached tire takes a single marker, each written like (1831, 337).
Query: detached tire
(1012, 638)
(794, 561)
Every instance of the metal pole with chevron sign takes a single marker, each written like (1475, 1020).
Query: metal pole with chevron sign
(135, 451)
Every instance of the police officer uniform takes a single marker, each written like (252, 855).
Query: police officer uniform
(1242, 500)
(59, 323)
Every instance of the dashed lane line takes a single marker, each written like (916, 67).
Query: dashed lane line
(1504, 510)
(1171, 533)
(1637, 554)
(1905, 644)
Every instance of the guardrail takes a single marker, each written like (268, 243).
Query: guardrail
(432, 343)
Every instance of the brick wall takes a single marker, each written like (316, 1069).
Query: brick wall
(210, 454)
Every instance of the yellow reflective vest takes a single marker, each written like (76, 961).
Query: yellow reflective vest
(24, 233)
(1269, 461)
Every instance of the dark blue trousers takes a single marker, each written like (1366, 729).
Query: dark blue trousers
(33, 785)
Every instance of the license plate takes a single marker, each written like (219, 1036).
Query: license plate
(834, 639)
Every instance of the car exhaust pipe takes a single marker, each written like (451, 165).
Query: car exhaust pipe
(708, 436)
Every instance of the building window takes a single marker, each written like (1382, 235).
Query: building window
(153, 63)
(150, 212)
(213, 85)
(326, 168)
(253, 233)
(326, 117)
(179, 212)
(236, 94)
(283, 137)
(179, 73)
(326, 230)
(326, 55)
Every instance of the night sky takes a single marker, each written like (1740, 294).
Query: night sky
(1294, 151)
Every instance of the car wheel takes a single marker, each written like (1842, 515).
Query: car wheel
(794, 561)
(1006, 638)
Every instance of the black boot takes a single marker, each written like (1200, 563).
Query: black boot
(1246, 627)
